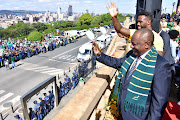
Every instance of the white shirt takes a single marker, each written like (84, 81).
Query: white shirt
(141, 57)
(173, 46)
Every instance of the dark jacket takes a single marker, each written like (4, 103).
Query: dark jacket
(158, 95)
(167, 50)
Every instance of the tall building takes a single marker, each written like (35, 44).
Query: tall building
(70, 10)
(47, 14)
(59, 11)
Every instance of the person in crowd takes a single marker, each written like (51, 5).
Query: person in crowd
(17, 117)
(51, 98)
(175, 26)
(178, 53)
(37, 111)
(74, 80)
(177, 17)
(6, 62)
(170, 24)
(31, 114)
(177, 76)
(13, 61)
(173, 43)
(143, 84)
(167, 49)
(144, 21)
(43, 107)
(1, 62)
(46, 99)
(68, 79)
(61, 90)
(163, 24)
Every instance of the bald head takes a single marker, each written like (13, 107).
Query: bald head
(142, 41)
(145, 35)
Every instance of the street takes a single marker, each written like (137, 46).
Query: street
(31, 71)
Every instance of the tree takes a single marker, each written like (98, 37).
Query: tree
(84, 27)
(106, 17)
(96, 20)
(69, 24)
(57, 24)
(85, 19)
(128, 15)
(39, 26)
(78, 23)
(35, 36)
(121, 17)
(63, 24)
(22, 29)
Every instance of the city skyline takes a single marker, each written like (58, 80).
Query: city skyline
(125, 6)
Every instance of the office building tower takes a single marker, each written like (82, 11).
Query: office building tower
(70, 10)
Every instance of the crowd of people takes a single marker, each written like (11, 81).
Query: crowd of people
(15, 50)
(170, 24)
(46, 103)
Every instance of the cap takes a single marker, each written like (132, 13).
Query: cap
(44, 93)
(30, 108)
(17, 116)
(40, 98)
(49, 91)
(35, 101)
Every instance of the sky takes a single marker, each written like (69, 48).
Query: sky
(124, 6)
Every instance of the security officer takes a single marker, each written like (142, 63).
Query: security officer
(74, 80)
(69, 82)
(65, 85)
(28, 52)
(51, 98)
(49, 47)
(44, 49)
(66, 41)
(46, 99)
(37, 111)
(31, 114)
(61, 90)
(43, 106)
(54, 44)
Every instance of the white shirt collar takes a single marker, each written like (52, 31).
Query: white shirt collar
(143, 56)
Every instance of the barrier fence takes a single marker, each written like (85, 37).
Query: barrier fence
(60, 85)
(34, 91)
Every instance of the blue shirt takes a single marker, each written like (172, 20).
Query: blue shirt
(36, 107)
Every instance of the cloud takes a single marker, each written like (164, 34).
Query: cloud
(62, 3)
(45, 1)
(74, 2)
(87, 1)
(16, 8)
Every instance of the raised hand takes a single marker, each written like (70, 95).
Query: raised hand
(96, 49)
(113, 11)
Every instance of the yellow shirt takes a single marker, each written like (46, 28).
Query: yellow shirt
(158, 41)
